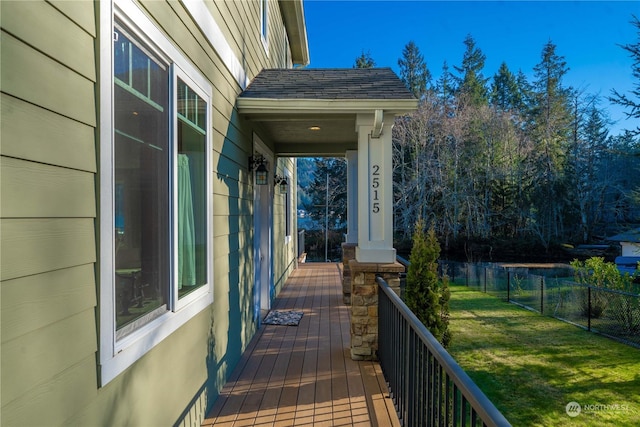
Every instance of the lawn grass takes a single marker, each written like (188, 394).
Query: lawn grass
(531, 366)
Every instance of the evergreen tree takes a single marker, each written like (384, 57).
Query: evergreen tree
(413, 70)
(632, 101)
(425, 294)
(445, 88)
(525, 91)
(364, 61)
(585, 162)
(505, 95)
(472, 82)
(551, 127)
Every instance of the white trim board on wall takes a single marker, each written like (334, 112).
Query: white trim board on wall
(202, 16)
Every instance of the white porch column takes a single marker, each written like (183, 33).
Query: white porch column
(352, 196)
(375, 188)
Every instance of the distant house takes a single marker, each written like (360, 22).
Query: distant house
(630, 255)
(143, 235)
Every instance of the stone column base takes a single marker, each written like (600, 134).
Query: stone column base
(348, 253)
(364, 305)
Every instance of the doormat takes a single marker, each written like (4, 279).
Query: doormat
(285, 318)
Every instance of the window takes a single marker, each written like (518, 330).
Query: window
(156, 252)
(264, 23)
(141, 178)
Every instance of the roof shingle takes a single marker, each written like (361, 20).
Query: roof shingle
(327, 84)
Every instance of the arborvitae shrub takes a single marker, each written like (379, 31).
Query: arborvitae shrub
(425, 294)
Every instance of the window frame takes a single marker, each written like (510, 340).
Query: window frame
(116, 355)
(180, 303)
(264, 24)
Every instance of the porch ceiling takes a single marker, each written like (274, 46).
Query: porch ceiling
(288, 103)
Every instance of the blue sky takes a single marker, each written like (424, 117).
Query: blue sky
(586, 33)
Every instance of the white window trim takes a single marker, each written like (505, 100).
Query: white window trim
(190, 80)
(116, 356)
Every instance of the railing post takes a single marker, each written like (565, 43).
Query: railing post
(542, 295)
(508, 286)
(420, 367)
(589, 308)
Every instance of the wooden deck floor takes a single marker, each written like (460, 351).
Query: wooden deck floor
(303, 375)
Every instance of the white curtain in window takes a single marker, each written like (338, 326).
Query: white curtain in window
(186, 227)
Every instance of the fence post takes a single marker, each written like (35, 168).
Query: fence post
(508, 286)
(453, 273)
(466, 265)
(485, 280)
(542, 295)
(589, 308)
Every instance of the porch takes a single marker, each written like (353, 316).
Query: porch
(304, 375)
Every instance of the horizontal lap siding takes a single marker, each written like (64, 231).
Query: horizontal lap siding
(56, 140)
(47, 210)
(38, 190)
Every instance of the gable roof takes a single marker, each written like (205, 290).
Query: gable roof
(314, 111)
(328, 84)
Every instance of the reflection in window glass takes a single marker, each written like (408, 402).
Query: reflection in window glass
(192, 195)
(141, 168)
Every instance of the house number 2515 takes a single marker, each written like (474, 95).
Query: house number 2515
(375, 184)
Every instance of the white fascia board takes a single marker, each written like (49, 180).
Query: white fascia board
(293, 16)
(327, 106)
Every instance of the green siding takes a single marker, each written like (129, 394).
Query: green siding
(38, 23)
(39, 79)
(79, 11)
(35, 190)
(45, 352)
(53, 295)
(52, 402)
(38, 245)
(49, 218)
(56, 139)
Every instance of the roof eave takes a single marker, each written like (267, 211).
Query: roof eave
(293, 16)
(324, 106)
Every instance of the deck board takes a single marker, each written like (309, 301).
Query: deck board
(304, 375)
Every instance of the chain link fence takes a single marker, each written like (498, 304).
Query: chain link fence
(609, 312)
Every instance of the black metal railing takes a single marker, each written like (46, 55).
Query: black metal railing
(428, 387)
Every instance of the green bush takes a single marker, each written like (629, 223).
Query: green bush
(425, 294)
(595, 271)
(598, 273)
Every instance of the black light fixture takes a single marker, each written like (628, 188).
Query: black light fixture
(259, 164)
(283, 183)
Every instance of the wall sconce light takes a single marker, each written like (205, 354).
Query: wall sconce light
(259, 164)
(283, 183)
